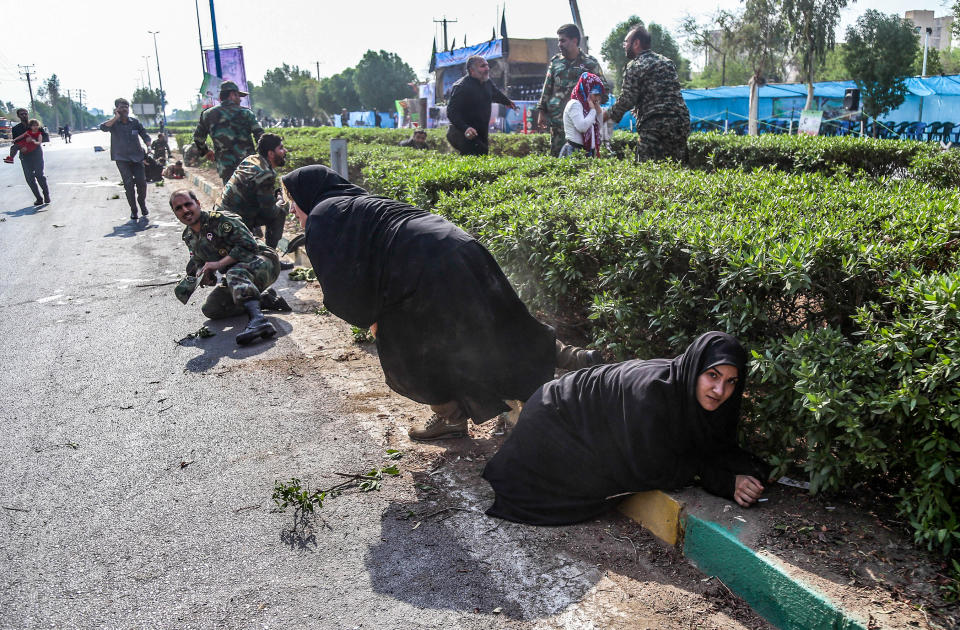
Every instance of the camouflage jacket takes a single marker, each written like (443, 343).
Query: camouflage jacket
(650, 88)
(160, 149)
(562, 76)
(250, 188)
(221, 234)
(230, 126)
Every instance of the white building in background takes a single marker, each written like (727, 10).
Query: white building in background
(940, 38)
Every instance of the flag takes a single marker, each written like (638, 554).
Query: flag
(493, 35)
(433, 55)
(503, 32)
(453, 44)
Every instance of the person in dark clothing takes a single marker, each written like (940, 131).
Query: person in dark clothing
(417, 141)
(450, 330)
(28, 140)
(469, 108)
(584, 440)
(126, 151)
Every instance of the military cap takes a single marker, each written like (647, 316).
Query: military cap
(229, 86)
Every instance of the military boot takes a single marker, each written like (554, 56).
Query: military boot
(270, 301)
(574, 358)
(258, 326)
(438, 427)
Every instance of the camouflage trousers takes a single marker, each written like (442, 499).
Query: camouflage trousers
(242, 282)
(558, 138)
(662, 138)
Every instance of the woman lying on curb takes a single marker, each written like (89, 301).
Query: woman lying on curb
(450, 330)
(592, 435)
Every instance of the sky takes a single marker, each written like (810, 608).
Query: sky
(100, 47)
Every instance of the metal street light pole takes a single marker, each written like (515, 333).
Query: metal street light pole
(146, 62)
(163, 96)
(926, 39)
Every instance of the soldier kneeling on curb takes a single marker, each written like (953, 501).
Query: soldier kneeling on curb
(219, 241)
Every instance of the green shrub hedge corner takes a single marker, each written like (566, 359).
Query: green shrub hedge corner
(648, 256)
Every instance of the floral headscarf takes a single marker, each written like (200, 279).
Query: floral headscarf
(588, 83)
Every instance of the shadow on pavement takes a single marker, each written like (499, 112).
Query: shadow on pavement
(443, 552)
(131, 228)
(224, 344)
(26, 210)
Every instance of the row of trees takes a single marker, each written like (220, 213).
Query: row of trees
(377, 81)
(54, 109)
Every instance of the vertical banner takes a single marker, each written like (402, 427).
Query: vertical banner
(231, 62)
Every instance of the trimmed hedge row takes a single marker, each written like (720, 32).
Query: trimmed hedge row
(854, 157)
(832, 283)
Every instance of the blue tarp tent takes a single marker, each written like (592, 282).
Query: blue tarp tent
(928, 99)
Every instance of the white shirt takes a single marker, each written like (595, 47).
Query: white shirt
(575, 122)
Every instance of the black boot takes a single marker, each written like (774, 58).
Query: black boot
(270, 301)
(574, 358)
(258, 326)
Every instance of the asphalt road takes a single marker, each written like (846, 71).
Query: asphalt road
(136, 473)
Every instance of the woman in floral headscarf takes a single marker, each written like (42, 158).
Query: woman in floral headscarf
(583, 117)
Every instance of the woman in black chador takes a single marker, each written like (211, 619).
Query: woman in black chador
(598, 433)
(450, 330)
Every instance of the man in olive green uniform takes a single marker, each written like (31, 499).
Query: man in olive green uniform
(652, 90)
(562, 75)
(220, 241)
(250, 191)
(230, 126)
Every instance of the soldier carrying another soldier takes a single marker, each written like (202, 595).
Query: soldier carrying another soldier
(250, 192)
(219, 241)
(651, 88)
(230, 126)
(562, 75)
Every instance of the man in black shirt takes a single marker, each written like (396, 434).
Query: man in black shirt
(30, 160)
(469, 108)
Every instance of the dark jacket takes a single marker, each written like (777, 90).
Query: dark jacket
(470, 105)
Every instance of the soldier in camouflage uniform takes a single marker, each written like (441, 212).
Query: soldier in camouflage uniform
(251, 191)
(652, 90)
(230, 127)
(219, 241)
(562, 75)
(191, 155)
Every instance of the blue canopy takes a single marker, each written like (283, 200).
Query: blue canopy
(928, 99)
(488, 50)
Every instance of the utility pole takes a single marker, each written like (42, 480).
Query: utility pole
(575, 10)
(146, 62)
(318, 71)
(203, 59)
(163, 97)
(444, 21)
(25, 72)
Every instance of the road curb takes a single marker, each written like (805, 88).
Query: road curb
(782, 599)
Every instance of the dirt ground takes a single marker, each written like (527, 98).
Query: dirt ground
(851, 548)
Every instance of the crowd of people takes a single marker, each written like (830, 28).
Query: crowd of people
(450, 330)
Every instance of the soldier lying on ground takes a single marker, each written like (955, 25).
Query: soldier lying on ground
(450, 330)
(591, 436)
(221, 242)
(175, 171)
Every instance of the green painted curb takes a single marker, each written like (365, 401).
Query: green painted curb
(782, 600)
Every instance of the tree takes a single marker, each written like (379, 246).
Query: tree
(812, 33)
(338, 92)
(717, 35)
(660, 42)
(761, 35)
(382, 78)
(287, 91)
(832, 68)
(879, 53)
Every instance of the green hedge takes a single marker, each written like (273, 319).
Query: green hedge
(807, 270)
